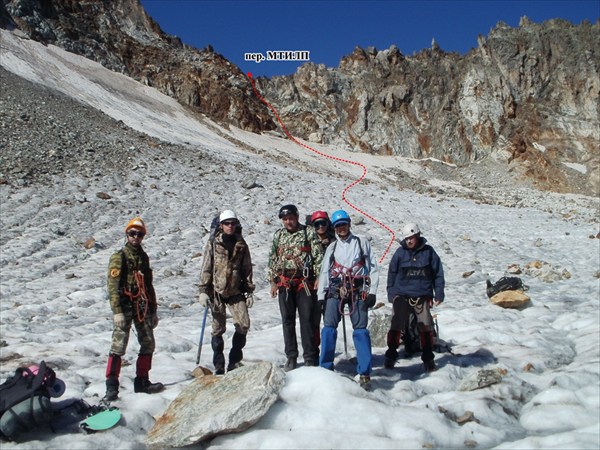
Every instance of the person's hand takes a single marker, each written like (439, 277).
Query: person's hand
(371, 299)
(249, 300)
(203, 299)
(273, 290)
(433, 302)
(154, 321)
(321, 304)
(119, 320)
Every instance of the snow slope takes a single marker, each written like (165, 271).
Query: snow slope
(53, 304)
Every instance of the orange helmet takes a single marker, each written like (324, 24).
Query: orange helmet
(136, 223)
(319, 215)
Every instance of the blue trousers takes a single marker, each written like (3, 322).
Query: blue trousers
(360, 335)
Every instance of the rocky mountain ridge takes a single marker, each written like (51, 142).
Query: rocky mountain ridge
(526, 97)
(123, 38)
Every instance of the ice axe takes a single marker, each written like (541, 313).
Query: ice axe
(201, 335)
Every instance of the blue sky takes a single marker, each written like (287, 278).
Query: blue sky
(330, 30)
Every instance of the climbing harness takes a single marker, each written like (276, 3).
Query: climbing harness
(139, 296)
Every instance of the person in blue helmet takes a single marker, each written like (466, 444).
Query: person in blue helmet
(348, 280)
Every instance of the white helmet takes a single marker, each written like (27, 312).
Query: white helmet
(410, 229)
(227, 214)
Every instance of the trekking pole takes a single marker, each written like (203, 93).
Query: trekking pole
(344, 329)
(201, 335)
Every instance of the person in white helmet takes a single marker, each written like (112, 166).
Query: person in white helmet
(415, 282)
(226, 281)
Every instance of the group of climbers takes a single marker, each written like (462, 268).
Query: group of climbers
(316, 270)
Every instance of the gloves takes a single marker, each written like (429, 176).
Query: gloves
(249, 300)
(154, 321)
(371, 299)
(321, 304)
(203, 299)
(119, 320)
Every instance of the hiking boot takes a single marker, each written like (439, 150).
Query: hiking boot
(365, 382)
(290, 364)
(219, 369)
(391, 356)
(309, 363)
(429, 366)
(112, 389)
(143, 384)
(233, 366)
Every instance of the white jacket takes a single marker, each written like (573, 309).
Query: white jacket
(347, 253)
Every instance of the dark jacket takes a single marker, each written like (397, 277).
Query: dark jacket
(416, 273)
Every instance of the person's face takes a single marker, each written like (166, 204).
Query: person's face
(342, 230)
(290, 222)
(411, 241)
(135, 237)
(228, 226)
(321, 227)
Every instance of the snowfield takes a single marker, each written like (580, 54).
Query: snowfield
(54, 308)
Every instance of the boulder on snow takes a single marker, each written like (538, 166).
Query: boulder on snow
(510, 299)
(378, 326)
(482, 378)
(213, 405)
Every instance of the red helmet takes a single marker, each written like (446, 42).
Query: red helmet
(319, 215)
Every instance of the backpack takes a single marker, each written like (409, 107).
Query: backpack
(25, 400)
(505, 284)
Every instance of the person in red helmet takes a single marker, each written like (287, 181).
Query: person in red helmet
(326, 234)
(133, 302)
(322, 225)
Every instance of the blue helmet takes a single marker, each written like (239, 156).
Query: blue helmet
(340, 217)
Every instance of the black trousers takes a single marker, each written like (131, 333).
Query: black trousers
(290, 301)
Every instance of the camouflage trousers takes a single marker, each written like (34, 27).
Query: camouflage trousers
(144, 331)
(239, 312)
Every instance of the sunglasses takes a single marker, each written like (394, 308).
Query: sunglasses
(320, 223)
(286, 212)
(135, 234)
(230, 223)
(340, 224)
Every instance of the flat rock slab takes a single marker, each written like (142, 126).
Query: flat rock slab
(214, 405)
(510, 299)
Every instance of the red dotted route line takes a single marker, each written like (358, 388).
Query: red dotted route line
(335, 158)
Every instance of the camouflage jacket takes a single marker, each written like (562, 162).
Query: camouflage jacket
(222, 274)
(121, 268)
(291, 251)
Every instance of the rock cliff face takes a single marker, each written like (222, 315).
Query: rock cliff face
(526, 97)
(122, 37)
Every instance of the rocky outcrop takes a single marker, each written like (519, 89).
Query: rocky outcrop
(526, 96)
(525, 99)
(122, 37)
(213, 405)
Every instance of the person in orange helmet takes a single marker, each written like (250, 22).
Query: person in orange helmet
(133, 302)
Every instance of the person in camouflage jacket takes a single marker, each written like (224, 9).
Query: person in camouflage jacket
(226, 281)
(132, 301)
(294, 261)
